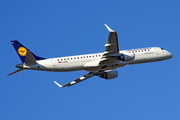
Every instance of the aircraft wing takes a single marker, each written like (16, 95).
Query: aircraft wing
(84, 77)
(111, 47)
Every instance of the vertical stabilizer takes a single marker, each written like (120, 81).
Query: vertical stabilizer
(22, 51)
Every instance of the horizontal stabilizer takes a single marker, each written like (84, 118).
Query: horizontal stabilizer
(29, 60)
(19, 70)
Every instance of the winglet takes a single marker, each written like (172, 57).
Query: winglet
(57, 84)
(110, 30)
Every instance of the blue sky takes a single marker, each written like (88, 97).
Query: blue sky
(64, 28)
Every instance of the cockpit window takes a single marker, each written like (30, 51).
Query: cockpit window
(162, 49)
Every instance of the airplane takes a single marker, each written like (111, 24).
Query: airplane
(97, 64)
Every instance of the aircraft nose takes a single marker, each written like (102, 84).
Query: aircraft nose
(170, 55)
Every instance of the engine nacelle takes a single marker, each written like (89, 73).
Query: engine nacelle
(127, 57)
(109, 74)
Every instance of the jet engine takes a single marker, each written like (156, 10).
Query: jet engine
(126, 57)
(111, 74)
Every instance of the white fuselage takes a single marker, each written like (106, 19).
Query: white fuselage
(90, 62)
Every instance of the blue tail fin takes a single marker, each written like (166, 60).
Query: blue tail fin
(22, 50)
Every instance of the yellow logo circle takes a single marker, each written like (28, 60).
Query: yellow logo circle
(22, 51)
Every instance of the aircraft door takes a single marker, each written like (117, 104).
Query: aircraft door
(53, 62)
(157, 51)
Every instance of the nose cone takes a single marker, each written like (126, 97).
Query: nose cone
(169, 55)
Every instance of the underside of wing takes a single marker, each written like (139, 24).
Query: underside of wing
(111, 47)
(84, 77)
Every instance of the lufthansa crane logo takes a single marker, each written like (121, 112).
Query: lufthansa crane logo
(22, 51)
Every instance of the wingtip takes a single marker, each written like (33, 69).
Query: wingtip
(57, 84)
(110, 30)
